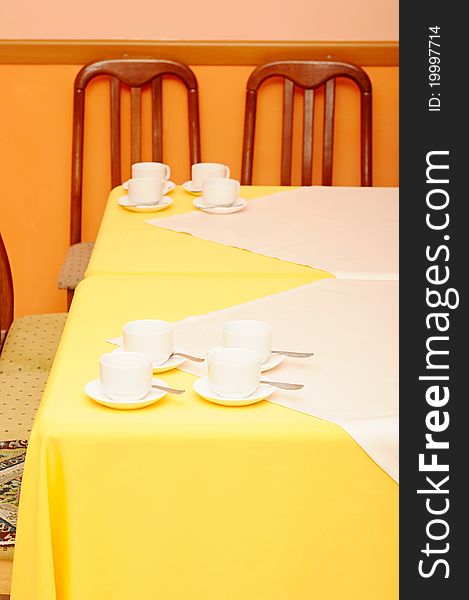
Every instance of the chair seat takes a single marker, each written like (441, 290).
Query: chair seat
(75, 264)
(20, 397)
(31, 343)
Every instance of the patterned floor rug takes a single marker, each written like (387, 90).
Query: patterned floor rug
(12, 455)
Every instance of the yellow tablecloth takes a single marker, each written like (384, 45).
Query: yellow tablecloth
(126, 244)
(189, 500)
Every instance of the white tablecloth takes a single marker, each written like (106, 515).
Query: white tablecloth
(352, 327)
(350, 232)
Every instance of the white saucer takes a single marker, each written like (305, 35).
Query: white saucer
(189, 187)
(94, 390)
(165, 202)
(220, 210)
(172, 363)
(272, 361)
(170, 186)
(202, 387)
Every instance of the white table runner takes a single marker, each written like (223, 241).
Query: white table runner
(350, 232)
(352, 326)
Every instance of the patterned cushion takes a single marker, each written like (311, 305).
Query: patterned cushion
(20, 395)
(32, 342)
(75, 265)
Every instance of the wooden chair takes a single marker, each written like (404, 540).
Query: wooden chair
(135, 74)
(27, 352)
(308, 75)
(6, 293)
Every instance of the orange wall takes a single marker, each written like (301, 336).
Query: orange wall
(35, 155)
(204, 19)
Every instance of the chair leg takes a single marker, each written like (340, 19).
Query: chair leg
(69, 297)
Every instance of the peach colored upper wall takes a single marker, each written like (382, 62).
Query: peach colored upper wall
(202, 20)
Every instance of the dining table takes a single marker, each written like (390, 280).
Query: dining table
(186, 499)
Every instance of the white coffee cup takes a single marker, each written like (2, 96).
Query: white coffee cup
(220, 192)
(203, 171)
(146, 190)
(125, 376)
(233, 372)
(252, 335)
(155, 170)
(150, 336)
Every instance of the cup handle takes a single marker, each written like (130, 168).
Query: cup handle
(227, 171)
(168, 172)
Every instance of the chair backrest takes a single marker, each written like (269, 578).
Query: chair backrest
(134, 74)
(308, 75)
(6, 293)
